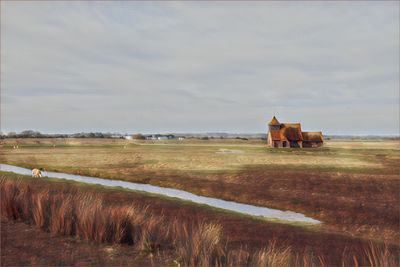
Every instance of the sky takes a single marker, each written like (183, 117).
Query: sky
(158, 67)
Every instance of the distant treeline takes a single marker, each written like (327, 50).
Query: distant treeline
(361, 137)
(202, 136)
(36, 134)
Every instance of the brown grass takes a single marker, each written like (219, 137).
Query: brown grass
(26, 245)
(351, 186)
(198, 243)
(80, 214)
(380, 256)
(87, 216)
(273, 256)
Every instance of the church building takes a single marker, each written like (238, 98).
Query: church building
(290, 135)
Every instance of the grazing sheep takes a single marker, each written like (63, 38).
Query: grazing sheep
(36, 173)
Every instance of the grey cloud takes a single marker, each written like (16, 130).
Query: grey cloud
(195, 66)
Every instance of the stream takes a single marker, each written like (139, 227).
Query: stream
(175, 193)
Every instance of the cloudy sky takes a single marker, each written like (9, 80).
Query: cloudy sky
(199, 66)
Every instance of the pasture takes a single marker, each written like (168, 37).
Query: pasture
(351, 186)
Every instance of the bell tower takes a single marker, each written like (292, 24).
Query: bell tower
(274, 124)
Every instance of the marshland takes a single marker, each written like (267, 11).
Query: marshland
(199, 133)
(350, 186)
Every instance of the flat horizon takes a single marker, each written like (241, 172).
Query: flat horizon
(200, 133)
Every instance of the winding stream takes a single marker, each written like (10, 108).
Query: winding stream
(170, 192)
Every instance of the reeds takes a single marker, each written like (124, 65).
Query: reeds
(198, 243)
(81, 214)
(379, 255)
(273, 256)
(86, 215)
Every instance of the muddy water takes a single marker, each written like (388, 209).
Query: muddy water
(180, 194)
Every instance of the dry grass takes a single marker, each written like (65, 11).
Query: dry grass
(85, 215)
(351, 186)
(379, 256)
(198, 243)
(111, 157)
(273, 256)
(371, 255)
(80, 214)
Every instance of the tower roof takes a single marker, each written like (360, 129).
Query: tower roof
(274, 121)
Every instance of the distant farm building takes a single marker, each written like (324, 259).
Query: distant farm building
(290, 135)
(159, 137)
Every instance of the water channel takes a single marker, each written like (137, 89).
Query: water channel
(175, 193)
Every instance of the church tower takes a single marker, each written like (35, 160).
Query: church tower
(274, 124)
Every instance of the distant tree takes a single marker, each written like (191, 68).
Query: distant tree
(12, 135)
(26, 133)
(204, 138)
(91, 135)
(99, 135)
(30, 134)
(78, 135)
(107, 135)
(138, 136)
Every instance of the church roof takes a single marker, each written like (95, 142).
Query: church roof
(274, 121)
(292, 131)
(313, 136)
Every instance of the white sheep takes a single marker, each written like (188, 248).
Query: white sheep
(36, 173)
